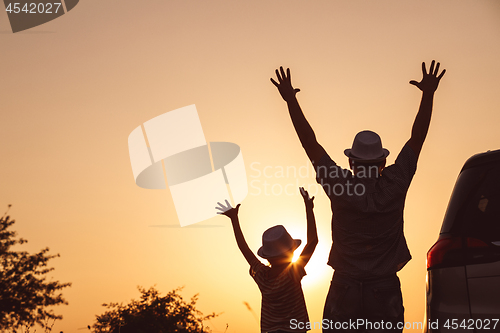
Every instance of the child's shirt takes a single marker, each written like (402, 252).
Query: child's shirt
(283, 304)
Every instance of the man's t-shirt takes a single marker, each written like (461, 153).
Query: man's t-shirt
(367, 222)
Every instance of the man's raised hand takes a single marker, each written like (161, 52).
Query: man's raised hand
(285, 84)
(430, 81)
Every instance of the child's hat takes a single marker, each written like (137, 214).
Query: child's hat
(276, 241)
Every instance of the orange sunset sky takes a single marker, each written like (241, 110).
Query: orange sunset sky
(73, 89)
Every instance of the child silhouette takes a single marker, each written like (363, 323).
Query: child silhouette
(283, 304)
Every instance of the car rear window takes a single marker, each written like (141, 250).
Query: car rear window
(474, 208)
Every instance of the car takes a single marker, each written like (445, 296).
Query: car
(463, 266)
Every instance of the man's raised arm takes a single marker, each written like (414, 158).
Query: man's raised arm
(304, 131)
(428, 85)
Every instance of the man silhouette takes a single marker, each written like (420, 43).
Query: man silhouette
(369, 246)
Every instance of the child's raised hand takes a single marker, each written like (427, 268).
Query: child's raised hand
(228, 210)
(307, 200)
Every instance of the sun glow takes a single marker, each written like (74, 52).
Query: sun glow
(317, 267)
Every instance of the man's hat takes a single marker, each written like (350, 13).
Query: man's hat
(276, 241)
(367, 147)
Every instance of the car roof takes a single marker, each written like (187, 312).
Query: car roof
(474, 169)
(482, 158)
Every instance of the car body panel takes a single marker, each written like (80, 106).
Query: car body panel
(447, 297)
(463, 280)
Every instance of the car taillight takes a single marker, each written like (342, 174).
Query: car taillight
(449, 251)
(473, 243)
(443, 249)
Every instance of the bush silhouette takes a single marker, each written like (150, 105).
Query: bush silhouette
(25, 293)
(153, 314)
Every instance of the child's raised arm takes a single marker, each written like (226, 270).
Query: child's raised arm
(232, 213)
(312, 234)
